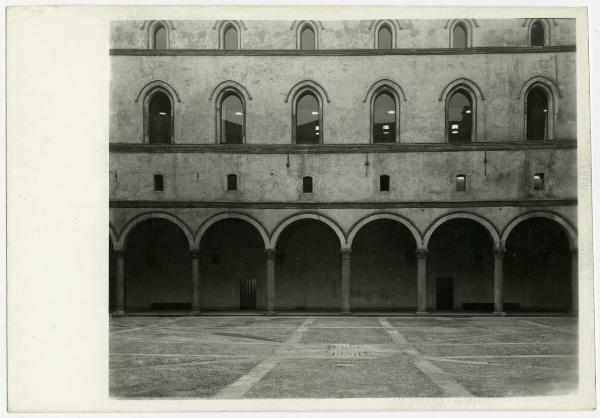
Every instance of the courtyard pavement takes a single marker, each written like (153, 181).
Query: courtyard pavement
(233, 357)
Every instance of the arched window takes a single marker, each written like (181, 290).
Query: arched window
(160, 37)
(307, 38)
(538, 37)
(384, 37)
(460, 117)
(459, 36)
(537, 114)
(231, 37)
(308, 117)
(232, 119)
(384, 118)
(307, 184)
(159, 119)
(232, 182)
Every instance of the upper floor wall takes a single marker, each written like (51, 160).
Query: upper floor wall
(342, 34)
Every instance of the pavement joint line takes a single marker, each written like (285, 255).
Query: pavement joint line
(548, 326)
(447, 384)
(473, 336)
(240, 387)
(145, 326)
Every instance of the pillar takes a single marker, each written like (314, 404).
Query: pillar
(574, 281)
(499, 281)
(195, 254)
(346, 279)
(270, 256)
(421, 280)
(120, 282)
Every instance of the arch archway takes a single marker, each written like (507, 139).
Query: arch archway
(538, 264)
(307, 264)
(383, 265)
(155, 215)
(460, 263)
(157, 266)
(232, 264)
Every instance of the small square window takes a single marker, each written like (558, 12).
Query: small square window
(231, 182)
(384, 183)
(307, 185)
(159, 185)
(538, 181)
(461, 183)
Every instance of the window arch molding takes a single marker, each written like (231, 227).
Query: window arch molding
(150, 26)
(222, 25)
(467, 24)
(300, 26)
(393, 89)
(545, 24)
(552, 92)
(299, 90)
(149, 95)
(225, 90)
(392, 24)
(475, 95)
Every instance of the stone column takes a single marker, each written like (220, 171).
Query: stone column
(120, 282)
(421, 280)
(498, 281)
(270, 255)
(575, 281)
(346, 252)
(195, 282)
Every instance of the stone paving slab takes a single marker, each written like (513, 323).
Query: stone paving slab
(341, 356)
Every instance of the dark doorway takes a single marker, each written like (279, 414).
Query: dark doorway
(248, 293)
(537, 267)
(308, 267)
(160, 119)
(157, 267)
(232, 265)
(444, 293)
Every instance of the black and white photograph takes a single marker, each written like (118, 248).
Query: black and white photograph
(328, 208)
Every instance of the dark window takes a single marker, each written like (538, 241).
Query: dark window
(537, 114)
(159, 185)
(459, 36)
(160, 119)
(232, 120)
(307, 186)
(384, 183)
(460, 118)
(384, 38)
(537, 34)
(307, 39)
(160, 37)
(231, 182)
(538, 181)
(308, 130)
(230, 38)
(384, 118)
(461, 183)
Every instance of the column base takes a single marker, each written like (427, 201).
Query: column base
(118, 313)
(500, 313)
(422, 312)
(195, 313)
(346, 312)
(269, 312)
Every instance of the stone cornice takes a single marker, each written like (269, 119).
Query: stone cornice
(155, 204)
(345, 52)
(340, 148)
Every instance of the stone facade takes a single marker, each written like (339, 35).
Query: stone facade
(347, 245)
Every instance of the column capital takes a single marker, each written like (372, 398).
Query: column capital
(499, 252)
(195, 253)
(421, 253)
(270, 253)
(346, 252)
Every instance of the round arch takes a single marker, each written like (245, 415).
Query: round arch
(301, 26)
(153, 85)
(385, 83)
(315, 216)
(231, 215)
(397, 218)
(156, 215)
(306, 84)
(230, 85)
(569, 230)
(462, 215)
(464, 83)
